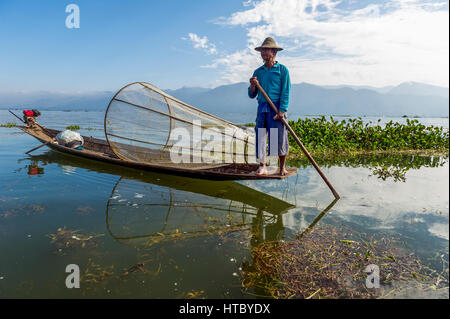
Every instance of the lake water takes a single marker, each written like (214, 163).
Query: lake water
(149, 235)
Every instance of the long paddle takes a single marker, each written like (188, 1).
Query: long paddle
(37, 147)
(313, 162)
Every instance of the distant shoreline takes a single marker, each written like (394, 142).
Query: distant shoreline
(297, 114)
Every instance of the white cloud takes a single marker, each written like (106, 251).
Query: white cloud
(202, 43)
(380, 44)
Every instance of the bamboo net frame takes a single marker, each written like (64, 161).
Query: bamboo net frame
(144, 124)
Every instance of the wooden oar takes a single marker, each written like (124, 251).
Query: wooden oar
(37, 147)
(313, 162)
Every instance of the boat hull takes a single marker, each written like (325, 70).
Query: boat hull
(99, 150)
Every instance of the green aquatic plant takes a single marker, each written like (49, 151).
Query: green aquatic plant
(320, 134)
(9, 125)
(397, 174)
(73, 127)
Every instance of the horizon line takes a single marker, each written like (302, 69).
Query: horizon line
(222, 85)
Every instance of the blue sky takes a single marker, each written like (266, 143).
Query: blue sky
(208, 43)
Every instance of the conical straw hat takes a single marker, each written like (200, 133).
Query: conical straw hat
(269, 43)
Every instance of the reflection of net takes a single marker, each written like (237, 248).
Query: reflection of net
(144, 124)
(145, 214)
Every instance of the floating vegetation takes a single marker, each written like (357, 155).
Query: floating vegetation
(322, 135)
(398, 174)
(26, 210)
(84, 210)
(137, 267)
(73, 127)
(330, 262)
(95, 274)
(202, 231)
(65, 240)
(9, 125)
(195, 294)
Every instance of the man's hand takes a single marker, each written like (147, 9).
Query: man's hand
(279, 116)
(253, 82)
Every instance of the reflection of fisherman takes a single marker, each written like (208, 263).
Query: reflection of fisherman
(274, 79)
(273, 231)
(35, 169)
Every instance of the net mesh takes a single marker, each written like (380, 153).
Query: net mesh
(144, 124)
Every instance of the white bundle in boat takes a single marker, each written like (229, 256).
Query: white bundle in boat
(70, 139)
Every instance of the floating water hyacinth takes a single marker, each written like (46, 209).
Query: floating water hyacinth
(320, 134)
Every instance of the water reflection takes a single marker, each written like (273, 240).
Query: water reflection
(35, 169)
(383, 166)
(187, 227)
(146, 208)
(142, 212)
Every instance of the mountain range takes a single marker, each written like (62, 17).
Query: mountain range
(409, 98)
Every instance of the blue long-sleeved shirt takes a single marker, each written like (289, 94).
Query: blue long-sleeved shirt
(277, 84)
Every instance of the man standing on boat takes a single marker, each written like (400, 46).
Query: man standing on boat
(274, 79)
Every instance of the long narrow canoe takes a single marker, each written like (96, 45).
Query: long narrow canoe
(99, 150)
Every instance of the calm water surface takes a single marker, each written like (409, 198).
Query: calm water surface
(190, 235)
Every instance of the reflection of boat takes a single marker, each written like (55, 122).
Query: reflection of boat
(99, 150)
(145, 207)
(139, 213)
(229, 190)
(142, 214)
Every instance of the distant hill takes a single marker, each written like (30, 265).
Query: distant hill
(309, 99)
(384, 89)
(411, 99)
(414, 88)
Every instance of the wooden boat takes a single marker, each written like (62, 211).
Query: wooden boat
(99, 150)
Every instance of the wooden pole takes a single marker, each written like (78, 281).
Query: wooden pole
(16, 116)
(33, 149)
(313, 162)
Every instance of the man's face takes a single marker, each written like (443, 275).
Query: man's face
(268, 54)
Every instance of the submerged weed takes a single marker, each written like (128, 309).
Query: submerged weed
(330, 262)
(65, 240)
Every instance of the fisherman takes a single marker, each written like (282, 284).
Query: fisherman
(30, 116)
(274, 79)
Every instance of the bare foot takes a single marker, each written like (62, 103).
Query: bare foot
(261, 171)
(283, 172)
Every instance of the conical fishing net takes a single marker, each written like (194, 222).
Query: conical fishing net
(144, 124)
